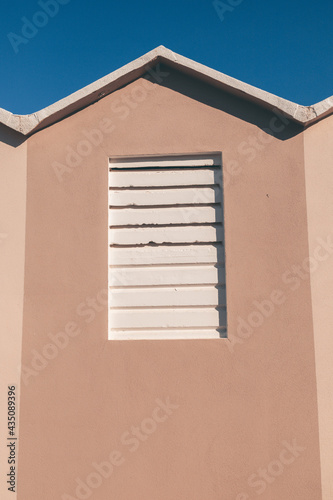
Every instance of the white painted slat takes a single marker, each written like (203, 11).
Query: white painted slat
(165, 334)
(168, 275)
(161, 318)
(174, 215)
(155, 197)
(175, 296)
(195, 254)
(179, 234)
(186, 177)
(166, 161)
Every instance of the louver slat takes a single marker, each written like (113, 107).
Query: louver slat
(171, 296)
(174, 215)
(166, 318)
(165, 197)
(169, 275)
(169, 254)
(170, 234)
(184, 177)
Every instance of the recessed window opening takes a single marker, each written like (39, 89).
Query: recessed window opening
(166, 248)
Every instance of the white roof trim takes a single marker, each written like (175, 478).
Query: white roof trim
(26, 124)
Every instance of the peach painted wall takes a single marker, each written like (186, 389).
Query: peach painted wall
(238, 404)
(319, 191)
(13, 154)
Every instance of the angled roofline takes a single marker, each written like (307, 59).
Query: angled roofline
(28, 124)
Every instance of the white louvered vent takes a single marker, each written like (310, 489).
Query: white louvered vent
(166, 250)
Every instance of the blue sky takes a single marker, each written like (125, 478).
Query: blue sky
(284, 47)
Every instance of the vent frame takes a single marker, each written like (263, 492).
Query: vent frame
(130, 278)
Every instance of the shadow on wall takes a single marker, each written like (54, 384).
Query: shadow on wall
(11, 137)
(272, 123)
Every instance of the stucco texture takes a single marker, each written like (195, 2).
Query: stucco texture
(237, 401)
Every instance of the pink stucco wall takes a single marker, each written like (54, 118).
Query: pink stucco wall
(13, 182)
(319, 190)
(243, 417)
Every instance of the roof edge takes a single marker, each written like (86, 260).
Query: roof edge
(27, 124)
